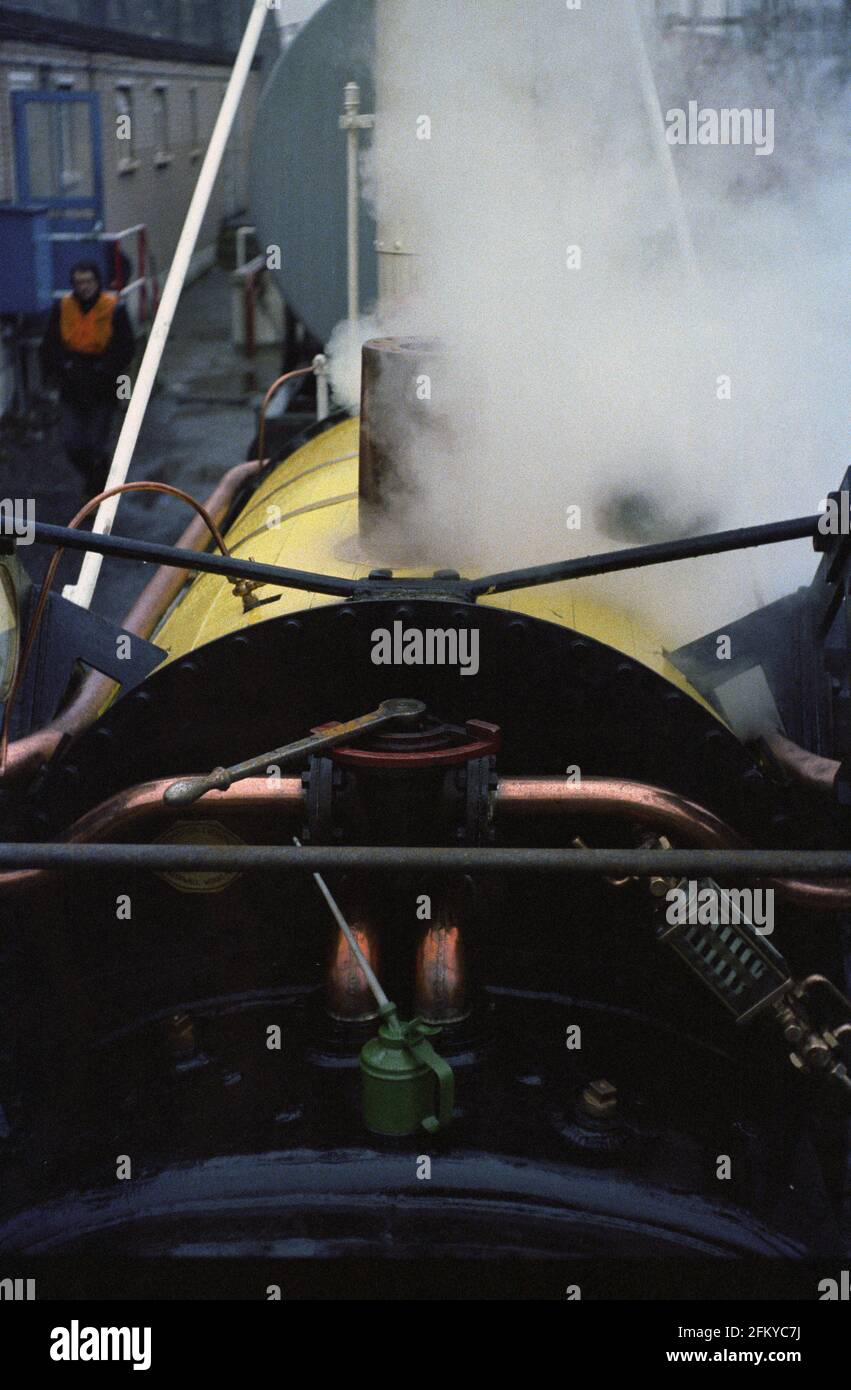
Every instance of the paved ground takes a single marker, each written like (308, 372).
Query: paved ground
(199, 423)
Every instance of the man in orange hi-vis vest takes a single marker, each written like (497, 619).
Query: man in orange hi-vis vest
(88, 345)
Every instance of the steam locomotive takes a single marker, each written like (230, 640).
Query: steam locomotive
(377, 911)
(200, 1023)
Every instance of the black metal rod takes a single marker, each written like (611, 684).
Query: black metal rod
(240, 858)
(127, 549)
(636, 557)
(716, 543)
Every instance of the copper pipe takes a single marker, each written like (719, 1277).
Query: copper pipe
(662, 810)
(819, 895)
(348, 997)
(599, 796)
(808, 769)
(267, 401)
(90, 506)
(144, 803)
(441, 989)
(26, 755)
(614, 796)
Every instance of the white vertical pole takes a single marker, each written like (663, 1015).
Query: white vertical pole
(657, 129)
(320, 367)
(83, 590)
(351, 109)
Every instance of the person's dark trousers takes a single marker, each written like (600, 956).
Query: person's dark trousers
(85, 431)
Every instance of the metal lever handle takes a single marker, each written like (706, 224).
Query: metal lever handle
(189, 789)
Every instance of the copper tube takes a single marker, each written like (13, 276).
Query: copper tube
(614, 796)
(267, 401)
(26, 755)
(808, 769)
(348, 997)
(144, 803)
(90, 506)
(600, 796)
(819, 895)
(662, 810)
(441, 989)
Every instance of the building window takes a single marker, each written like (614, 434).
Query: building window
(67, 143)
(125, 129)
(162, 132)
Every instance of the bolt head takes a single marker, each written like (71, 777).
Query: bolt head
(600, 1099)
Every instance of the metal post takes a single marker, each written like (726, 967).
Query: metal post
(242, 235)
(142, 253)
(82, 591)
(119, 269)
(320, 367)
(351, 107)
(249, 316)
(352, 122)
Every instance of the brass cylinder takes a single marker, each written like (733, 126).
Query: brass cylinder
(442, 990)
(348, 996)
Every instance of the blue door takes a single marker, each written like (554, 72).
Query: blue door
(59, 165)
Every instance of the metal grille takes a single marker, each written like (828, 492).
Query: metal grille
(740, 967)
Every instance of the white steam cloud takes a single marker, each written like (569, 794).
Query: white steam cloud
(584, 363)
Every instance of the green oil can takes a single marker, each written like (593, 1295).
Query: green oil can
(402, 1076)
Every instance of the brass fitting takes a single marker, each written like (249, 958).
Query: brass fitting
(599, 1100)
(245, 589)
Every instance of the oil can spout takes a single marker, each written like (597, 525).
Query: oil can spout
(390, 1020)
